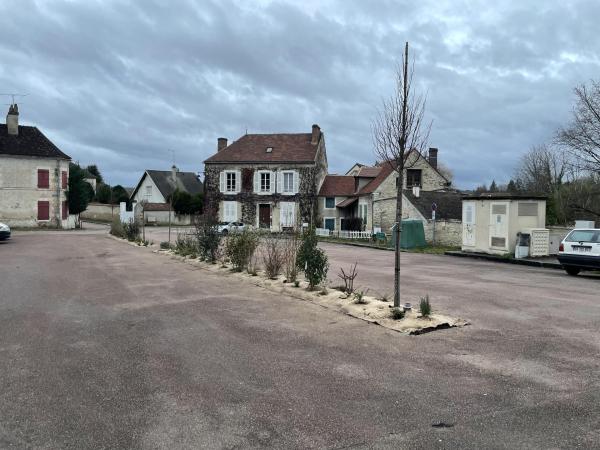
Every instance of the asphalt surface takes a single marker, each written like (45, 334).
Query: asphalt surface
(105, 345)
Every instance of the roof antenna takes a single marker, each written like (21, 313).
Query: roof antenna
(246, 129)
(13, 95)
(172, 155)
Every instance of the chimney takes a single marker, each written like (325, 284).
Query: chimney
(316, 134)
(12, 120)
(433, 153)
(221, 144)
(174, 171)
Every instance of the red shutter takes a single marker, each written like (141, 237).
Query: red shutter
(43, 179)
(65, 209)
(44, 210)
(64, 180)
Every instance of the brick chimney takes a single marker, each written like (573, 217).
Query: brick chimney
(316, 134)
(12, 120)
(221, 144)
(433, 156)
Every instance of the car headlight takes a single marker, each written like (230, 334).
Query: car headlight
(4, 227)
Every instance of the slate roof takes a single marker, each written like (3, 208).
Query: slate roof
(156, 207)
(252, 148)
(340, 185)
(503, 196)
(29, 142)
(186, 182)
(449, 203)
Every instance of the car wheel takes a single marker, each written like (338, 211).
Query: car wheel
(224, 231)
(573, 271)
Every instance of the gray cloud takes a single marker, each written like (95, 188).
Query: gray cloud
(120, 83)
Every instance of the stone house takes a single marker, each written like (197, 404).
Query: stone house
(151, 195)
(34, 176)
(267, 181)
(369, 192)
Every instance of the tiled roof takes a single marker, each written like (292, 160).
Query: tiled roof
(385, 170)
(448, 203)
(252, 148)
(349, 201)
(340, 185)
(29, 142)
(156, 206)
(369, 172)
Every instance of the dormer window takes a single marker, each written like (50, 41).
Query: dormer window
(269, 149)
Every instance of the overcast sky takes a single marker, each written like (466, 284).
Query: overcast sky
(121, 83)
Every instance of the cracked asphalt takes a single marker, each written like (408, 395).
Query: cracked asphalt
(104, 345)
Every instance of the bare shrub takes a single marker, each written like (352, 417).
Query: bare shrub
(348, 278)
(273, 256)
(291, 244)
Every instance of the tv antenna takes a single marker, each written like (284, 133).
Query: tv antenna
(13, 95)
(172, 155)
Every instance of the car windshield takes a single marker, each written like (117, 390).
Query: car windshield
(584, 236)
(223, 223)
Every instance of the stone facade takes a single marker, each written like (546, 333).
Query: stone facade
(20, 194)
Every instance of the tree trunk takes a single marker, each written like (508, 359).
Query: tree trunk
(398, 233)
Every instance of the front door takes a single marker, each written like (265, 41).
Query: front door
(469, 224)
(264, 216)
(499, 225)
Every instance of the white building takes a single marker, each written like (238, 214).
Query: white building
(34, 177)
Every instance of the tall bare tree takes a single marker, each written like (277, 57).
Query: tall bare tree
(399, 131)
(543, 169)
(582, 136)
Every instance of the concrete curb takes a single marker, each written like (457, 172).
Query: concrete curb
(522, 262)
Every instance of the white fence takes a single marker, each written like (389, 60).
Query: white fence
(344, 234)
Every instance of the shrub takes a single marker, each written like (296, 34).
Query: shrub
(164, 245)
(397, 313)
(240, 248)
(348, 278)
(359, 298)
(207, 237)
(425, 306)
(291, 245)
(186, 244)
(273, 256)
(132, 231)
(312, 259)
(385, 298)
(116, 229)
(296, 283)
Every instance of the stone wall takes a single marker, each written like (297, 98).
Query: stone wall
(101, 212)
(447, 232)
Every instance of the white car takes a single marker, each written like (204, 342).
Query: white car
(580, 250)
(227, 227)
(4, 231)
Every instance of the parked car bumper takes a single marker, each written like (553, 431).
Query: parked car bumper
(4, 235)
(580, 261)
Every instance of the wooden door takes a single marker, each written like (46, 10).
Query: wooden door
(264, 216)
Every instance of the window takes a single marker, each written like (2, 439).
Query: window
(288, 182)
(230, 211)
(64, 179)
(584, 236)
(43, 179)
(265, 182)
(413, 177)
(528, 209)
(287, 210)
(329, 202)
(363, 211)
(65, 209)
(329, 223)
(43, 210)
(230, 182)
(148, 193)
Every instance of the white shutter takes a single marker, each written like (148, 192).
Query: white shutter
(280, 177)
(234, 211)
(282, 214)
(273, 181)
(256, 182)
(238, 181)
(222, 181)
(296, 180)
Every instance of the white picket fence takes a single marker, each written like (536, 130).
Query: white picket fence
(344, 234)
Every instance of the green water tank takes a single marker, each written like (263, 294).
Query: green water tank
(413, 234)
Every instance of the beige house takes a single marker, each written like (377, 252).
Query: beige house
(267, 180)
(34, 177)
(491, 221)
(369, 193)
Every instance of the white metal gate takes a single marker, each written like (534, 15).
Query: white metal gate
(468, 224)
(499, 225)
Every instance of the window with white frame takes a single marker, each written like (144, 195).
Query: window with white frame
(288, 182)
(148, 193)
(230, 211)
(287, 214)
(329, 202)
(230, 182)
(363, 212)
(265, 182)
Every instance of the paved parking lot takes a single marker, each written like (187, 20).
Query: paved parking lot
(104, 345)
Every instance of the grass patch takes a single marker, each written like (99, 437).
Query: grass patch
(397, 313)
(425, 306)
(429, 250)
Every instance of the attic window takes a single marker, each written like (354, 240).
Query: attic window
(269, 149)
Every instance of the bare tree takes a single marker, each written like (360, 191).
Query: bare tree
(399, 132)
(582, 136)
(543, 169)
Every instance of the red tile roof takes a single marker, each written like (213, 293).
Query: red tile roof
(341, 185)
(253, 148)
(156, 207)
(369, 172)
(386, 169)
